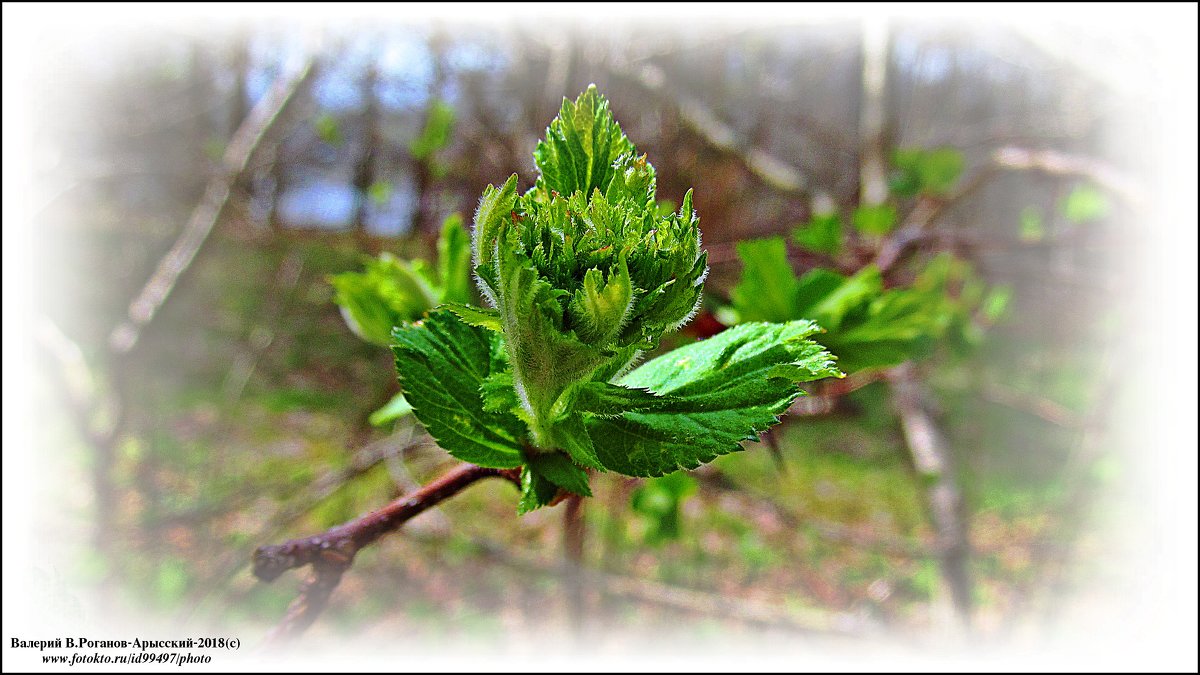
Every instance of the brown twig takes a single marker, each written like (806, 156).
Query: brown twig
(923, 215)
(332, 552)
(1009, 158)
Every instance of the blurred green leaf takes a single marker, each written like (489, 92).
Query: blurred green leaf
(877, 219)
(822, 234)
(328, 129)
(939, 170)
(996, 303)
(454, 261)
(767, 290)
(389, 292)
(1033, 228)
(905, 179)
(839, 301)
(867, 326)
(1085, 204)
(935, 171)
(439, 125)
(379, 192)
(659, 501)
(393, 410)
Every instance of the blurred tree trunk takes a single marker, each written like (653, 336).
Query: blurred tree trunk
(872, 119)
(365, 169)
(239, 63)
(424, 201)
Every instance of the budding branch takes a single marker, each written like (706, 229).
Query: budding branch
(332, 552)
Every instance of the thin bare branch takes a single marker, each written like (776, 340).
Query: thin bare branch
(932, 462)
(775, 172)
(1062, 164)
(1034, 404)
(332, 552)
(204, 217)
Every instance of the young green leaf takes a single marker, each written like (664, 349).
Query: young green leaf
(442, 363)
(767, 290)
(439, 124)
(582, 273)
(876, 219)
(581, 147)
(700, 401)
(905, 180)
(582, 270)
(387, 293)
(454, 261)
(393, 410)
(536, 491)
(822, 234)
(557, 468)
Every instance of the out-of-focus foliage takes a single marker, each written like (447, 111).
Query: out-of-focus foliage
(436, 135)
(1084, 204)
(867, 326)
(821, 234)
(327, 129)
(916, 170)
(658, 502)
(390, 292)
(874, 219)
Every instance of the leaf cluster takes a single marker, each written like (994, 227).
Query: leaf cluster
(389, 291)
(868, 326)
(583, 273)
